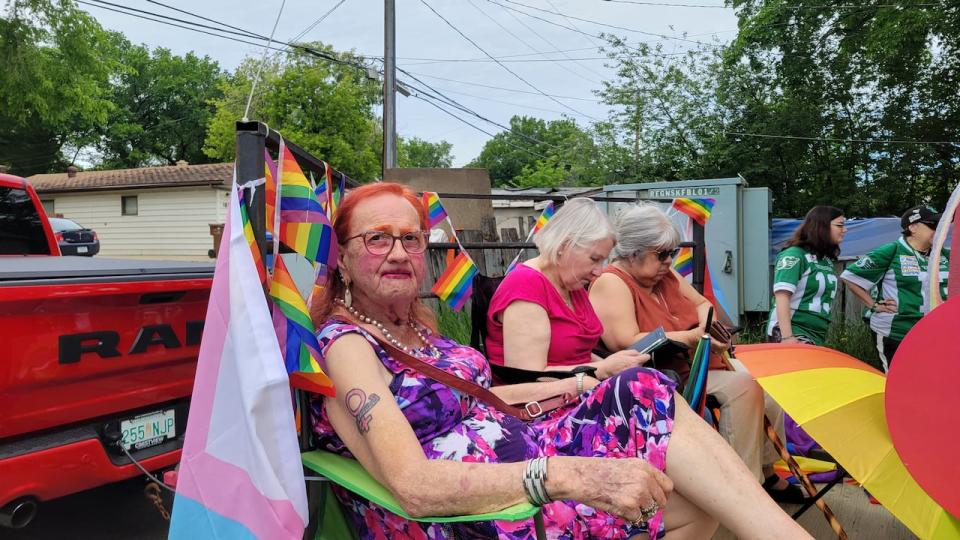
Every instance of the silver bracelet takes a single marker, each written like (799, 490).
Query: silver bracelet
(579, 377)
(534, 481)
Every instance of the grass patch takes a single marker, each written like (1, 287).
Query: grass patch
(852, 336)
(454, 324)
(848, 335)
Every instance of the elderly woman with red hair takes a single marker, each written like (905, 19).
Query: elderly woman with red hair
(627, 459)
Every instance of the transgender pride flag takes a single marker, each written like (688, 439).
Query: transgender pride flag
(240, 474)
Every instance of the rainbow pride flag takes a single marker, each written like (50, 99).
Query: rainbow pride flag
(304, 226)
(435, 209)
(321, 190)
(698, 209)
(336, 194)
(683, 264)
(251, 239)
(456, 283)
(544, 217)
(270, 188)
(296, 333)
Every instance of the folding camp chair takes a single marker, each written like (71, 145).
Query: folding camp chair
(327, 519)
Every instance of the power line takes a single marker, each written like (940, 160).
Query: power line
(534, 32)
(319, 54)
(476, 127)
(598, 23)
(243, 33)
(832, 139)
(521, 40)
(201, 17)
(516, 90)
(471, 112)
(171, 23)
(494, 100)
(571, 28)
(313, 52)
(796, 6)
(317, 22)
(507, 69)
(428, 61)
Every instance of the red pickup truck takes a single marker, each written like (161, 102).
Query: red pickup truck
(96, 354)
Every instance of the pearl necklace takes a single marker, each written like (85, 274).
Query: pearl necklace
(434, 352)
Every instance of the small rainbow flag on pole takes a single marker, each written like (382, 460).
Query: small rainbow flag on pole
(304, 226)
(296, 333)
(544, 217)
(683, 264)
(435, 209)
(456, 283)
(321, 190)
(698, 209)
(336, 194)
(251, 239)
(270, 188)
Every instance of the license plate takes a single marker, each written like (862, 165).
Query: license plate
(82, 249)
(148, 429)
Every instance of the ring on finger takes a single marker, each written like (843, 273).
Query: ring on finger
(647, 513)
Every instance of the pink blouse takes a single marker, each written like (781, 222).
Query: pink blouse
(573, 332)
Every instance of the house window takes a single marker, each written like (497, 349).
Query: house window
(48, 207)
(128, 205)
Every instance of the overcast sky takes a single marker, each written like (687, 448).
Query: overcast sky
(515, 38)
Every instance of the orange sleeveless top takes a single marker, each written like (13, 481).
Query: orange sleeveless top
(666, 307)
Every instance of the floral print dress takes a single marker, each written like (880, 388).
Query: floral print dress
(630, 415)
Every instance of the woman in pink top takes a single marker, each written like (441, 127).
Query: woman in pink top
(541, 315)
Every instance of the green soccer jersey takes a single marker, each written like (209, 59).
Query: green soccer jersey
(899, 272)
(812, 284)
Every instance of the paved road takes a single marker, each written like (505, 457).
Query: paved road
(118, 511)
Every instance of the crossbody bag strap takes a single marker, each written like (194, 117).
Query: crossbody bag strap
(527, 412)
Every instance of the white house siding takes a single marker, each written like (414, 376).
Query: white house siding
(512, 216)
(172, 223)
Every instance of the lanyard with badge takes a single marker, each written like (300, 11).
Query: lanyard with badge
(921, 274)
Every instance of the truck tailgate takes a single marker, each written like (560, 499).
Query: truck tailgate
(84, 339)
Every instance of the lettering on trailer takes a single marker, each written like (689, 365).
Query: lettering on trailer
(691, 192)
(106, 343)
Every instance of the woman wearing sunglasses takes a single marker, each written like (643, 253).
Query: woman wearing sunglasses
(639, 292)
(540, 315)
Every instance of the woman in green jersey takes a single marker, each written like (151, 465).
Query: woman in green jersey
(804, 280)
(898, 270)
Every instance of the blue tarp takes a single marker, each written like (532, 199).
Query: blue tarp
(862, 235)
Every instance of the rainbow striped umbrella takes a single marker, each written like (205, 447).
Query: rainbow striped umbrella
(695, 391)
(839, 401)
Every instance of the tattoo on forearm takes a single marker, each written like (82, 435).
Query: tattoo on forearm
(359, 405)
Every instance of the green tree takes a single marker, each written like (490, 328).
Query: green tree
(415, 152)
(326, 107)
(163, 104)
(833, 75)
(54, 92)
(533, 143)
(664, 121)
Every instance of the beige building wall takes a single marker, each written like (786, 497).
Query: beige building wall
(510, 218)
(465, 213)
(171, 223)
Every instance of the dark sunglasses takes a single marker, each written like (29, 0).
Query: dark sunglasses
(665, 254)
(381, 243)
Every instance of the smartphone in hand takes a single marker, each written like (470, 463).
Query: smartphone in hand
(650, 341)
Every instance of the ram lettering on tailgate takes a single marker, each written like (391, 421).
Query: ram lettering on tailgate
(106, 343)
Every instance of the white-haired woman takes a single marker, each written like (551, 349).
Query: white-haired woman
(540, 315)
(639, 292)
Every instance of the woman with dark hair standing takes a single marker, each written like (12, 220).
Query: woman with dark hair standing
(804, 280)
